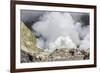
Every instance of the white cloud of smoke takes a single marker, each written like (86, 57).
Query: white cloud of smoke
(53, 28)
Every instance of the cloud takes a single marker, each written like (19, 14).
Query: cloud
(85, 43)
(53, 25)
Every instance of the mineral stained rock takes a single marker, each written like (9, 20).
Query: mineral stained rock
(28, 40)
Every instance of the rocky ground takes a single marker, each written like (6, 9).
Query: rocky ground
(57, 55)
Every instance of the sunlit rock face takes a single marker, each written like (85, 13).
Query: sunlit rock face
(55, 26)
(28, 40)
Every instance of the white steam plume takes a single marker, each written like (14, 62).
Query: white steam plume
(52, 26)
(85, 43)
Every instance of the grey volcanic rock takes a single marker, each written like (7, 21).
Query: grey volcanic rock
(28, 57)
(57, 55)
(67, 54)
(25, 57)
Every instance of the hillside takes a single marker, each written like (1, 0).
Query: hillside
(27, 40)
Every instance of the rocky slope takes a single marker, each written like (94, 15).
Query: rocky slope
(57, 55)
(28, 40)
